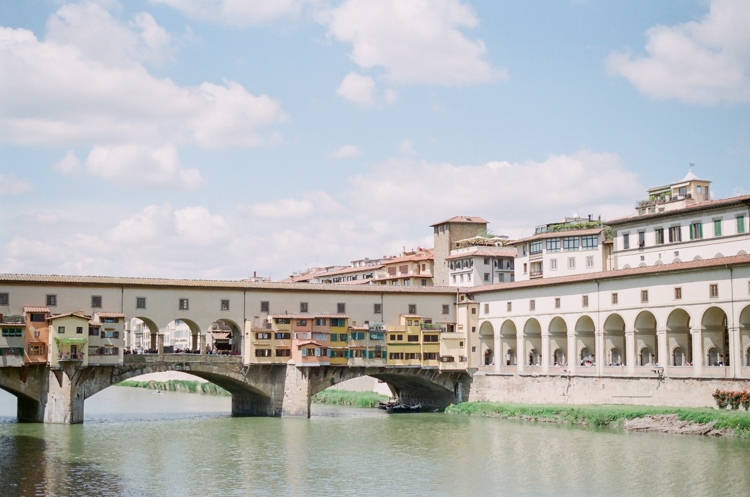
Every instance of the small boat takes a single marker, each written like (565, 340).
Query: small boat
(384, 405)
(403, 408)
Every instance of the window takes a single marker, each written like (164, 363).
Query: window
(584, 300)
(412, 338)
(509, 306)
(282, 336)
(535, 247)
(525, 268)
(412, 308)
(473, 310)
(677, 293)
(283, 352)
(341, 308)
(486, 308)
(140, 302)
(532, 304)
(570, 243)
(282, 321)
(303, 307)
(571, 262)
(184, 304)
(262, 336)
(589, 242)
(644, 296)
(557, 302)
(79, 330)
(553, 245)
(713, 290)
(319, 321)
(302, 322)
(51, 300)
(262, 352)
(424, 282)
(659, 236)
(696, 230)
(614, 298)
(590, 261)
(553, 264)
(487, 277)
(96, 301)
(641, 239)
(264, 306)
(338, 322)
(675, 234)
(37, 317)
(431, 338)
(740, 225)
(356, 335)
(625, 241)
(3, 299)
(224, 305)
(93, 331)
(717, 227)
(446, 309)
(486, 261)
(430, 356)
(377, 308)
(61, 330)
(322, 336)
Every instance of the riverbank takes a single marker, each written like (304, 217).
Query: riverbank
(186, 386)
(349, 398)
(699, 421)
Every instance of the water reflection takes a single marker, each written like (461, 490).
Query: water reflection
(136, 443)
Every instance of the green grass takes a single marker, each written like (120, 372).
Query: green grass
(606, 415)
(349, 398)
(177, 386)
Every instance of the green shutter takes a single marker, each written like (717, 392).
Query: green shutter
(740, 224)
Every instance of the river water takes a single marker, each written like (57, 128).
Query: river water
(135, 442)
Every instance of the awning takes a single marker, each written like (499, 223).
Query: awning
(220, 335)
(70, 341)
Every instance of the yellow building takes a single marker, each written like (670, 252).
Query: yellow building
(404, 341)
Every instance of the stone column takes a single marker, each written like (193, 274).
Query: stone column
(160, 346)
(697, 337)
(630, 360)
(662, 349)
(64, 400)
(203, 344)
(601, 355)
(296, 399)
(572, 355)
(499, 356)
(520, 352)
(545, 352)
(735, 353)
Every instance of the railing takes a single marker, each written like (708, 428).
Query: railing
(536, 274)
(433, 327)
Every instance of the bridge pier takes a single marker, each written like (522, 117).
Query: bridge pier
(64, 399)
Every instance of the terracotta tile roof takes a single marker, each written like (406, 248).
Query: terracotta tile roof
(559, 234)
(35, 308)
(12, 325)
(42, 279)
(78, 314)
(619, 273)
(482, 253)
(462, 219)
(307, 315)
(348, 270)
(705, 205)
(110, 314)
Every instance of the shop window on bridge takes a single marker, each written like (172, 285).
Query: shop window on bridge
(413, 338)
(396, 356)
(376, 354)
(338, 322)
(282, 321)
(411, 356)
(262, 336)
(320, 336)
(358, 335)
(283, 353)
(303, 336)
(376, 335)
(430, 356)
(93, 351)
(319, 322)
(93, 331)
(302, 322)
(109, 350)
(431, 338)
(265, 352)
(12, 332)
(38, 317)
(283, 336)
(11, 351)
(447, 358)
(109, 334)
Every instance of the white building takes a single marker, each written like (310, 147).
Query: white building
(481, 261)
(680, 222)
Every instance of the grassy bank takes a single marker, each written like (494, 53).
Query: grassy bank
(349, 398)
(723, 422)
(186, 386)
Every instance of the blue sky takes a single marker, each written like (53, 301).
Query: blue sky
(217, 138)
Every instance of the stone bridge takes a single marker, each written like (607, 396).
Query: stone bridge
(58, 395)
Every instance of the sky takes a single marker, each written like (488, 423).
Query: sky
(217, 139)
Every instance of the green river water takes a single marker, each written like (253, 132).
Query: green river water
(135, 442)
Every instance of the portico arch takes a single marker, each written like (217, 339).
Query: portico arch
(558, 342)
(715, 336)
(509, 341)
(532, 334)
(645, 339)
(229, 334)
(585, 340)
(679, 341)
(486, 343)
(614, 340)
(745, 334)
(149, 342)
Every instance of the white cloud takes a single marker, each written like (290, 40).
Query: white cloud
(357, 89)
(413, 41)
(237, 12)
(138, 165)
(346, 152)
(69, 164)
(704, 62)
(12, 186)
(315, 202)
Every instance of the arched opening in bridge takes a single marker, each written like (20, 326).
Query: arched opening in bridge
(645, 357)
(508, 342)
(715, 337)
(141, 335)
(679, 340)
(224, 338)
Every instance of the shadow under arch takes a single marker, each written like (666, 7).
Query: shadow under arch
(614, 340)
(487, 343)
(236, 342)
(745, 333)
(558, 342)
(153, 331)
(715, 335)
(645, 339)
(585, 338)
(509, 338)
(679, 339)
(532, 333)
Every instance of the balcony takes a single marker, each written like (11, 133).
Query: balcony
(434, 327)
(536, 274)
